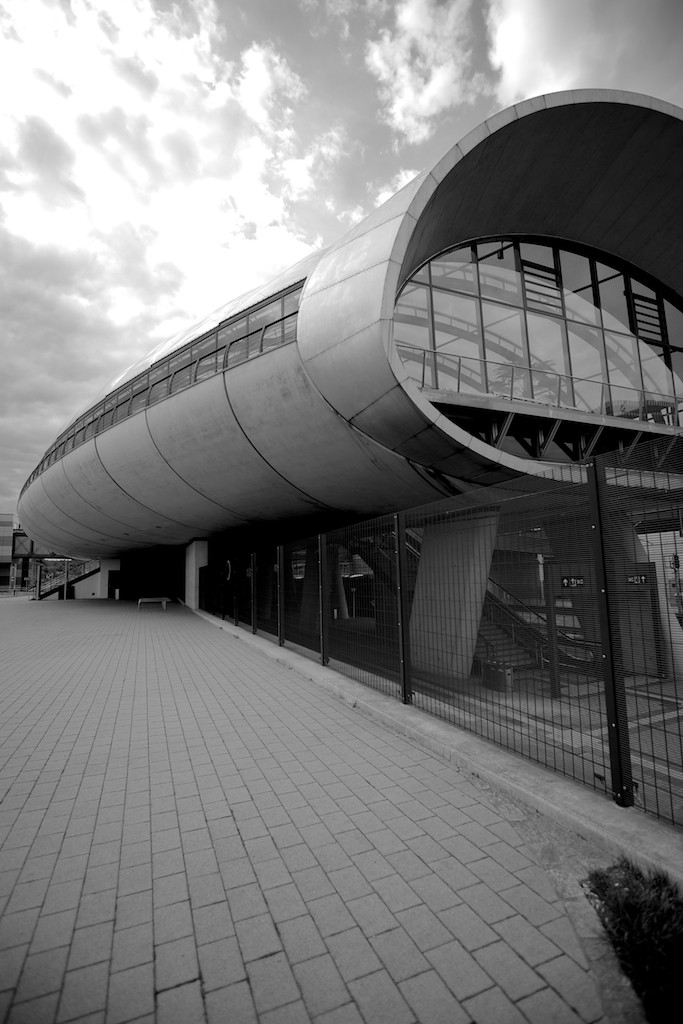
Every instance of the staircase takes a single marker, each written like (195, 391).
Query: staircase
(76, 572)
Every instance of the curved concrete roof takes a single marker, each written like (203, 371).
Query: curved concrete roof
(333, 422)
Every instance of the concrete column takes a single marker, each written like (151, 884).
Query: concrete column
(196, 556)
(449, 595)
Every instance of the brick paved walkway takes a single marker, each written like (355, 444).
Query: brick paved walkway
(191, 832)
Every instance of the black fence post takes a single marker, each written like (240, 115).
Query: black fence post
(613, 676)
(322, 596)
(252, 591)
(280, 595)
(403, 612)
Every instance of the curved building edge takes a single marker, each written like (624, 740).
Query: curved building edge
(332, 422)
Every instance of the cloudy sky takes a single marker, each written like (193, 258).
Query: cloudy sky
(158, 157)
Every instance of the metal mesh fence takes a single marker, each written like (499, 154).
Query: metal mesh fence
(547, 619)
(641, 507)
(361, 603)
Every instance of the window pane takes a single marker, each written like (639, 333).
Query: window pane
(657, 376)
(648, 325)
(457, 335)
(182, 378)
(674, 324)
(272, 336)
(291, 302)
(455, 271)
(589, 367)
(579, 301)
(121, 411)
(206, 367)
(238, 352)
(624, 374)
(235, 330)
(289, 329)
(612, 289)
(138, 402)
(505, 343)
(180, 360)
(541, 284)
(269, 313)
(159, 391)
(498, 274)
(158, 371)
(203, 347)
(549, 362)
(411, 318)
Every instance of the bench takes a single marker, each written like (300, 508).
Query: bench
(154, 600)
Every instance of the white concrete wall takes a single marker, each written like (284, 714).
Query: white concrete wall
(196, 556)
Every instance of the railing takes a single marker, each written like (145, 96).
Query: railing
(50, 583)
(469, 375)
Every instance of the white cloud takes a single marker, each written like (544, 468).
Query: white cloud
(399, 181)
(136, 166)
(424, 66)
(541, 46)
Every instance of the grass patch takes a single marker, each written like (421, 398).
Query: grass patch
(643, 917)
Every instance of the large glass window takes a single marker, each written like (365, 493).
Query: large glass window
(455, 270)
(506, 351)
(613, 301)
(458, 341)
(548, 357)
(577, 285)
(499, 275)
(532, 320)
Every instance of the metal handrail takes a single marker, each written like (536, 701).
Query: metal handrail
(450, 373)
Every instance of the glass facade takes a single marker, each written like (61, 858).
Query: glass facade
(528, 320)
(252, 333)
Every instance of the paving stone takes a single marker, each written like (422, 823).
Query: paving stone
(530, 905)
(321, 985)
(257, 937)
(181, 1005)
(91, 945)
(272, 982)
(528, 941)
(435, 893)
(84, 992)
(399, 954)
(494, 1006)
(431, 1001)
(576, 988)
(395, 892)
(545, 1006)
(330, 915)
(175, 963)
(301, 939)
(423, 926)
(508, 970)
(467, 927)
(42, 973)
(50, 931)
(380, 1001)
(459, 970)
(221, 963)
(284, 903)
(352, 953)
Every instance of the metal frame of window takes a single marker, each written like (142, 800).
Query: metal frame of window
(479, 254)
